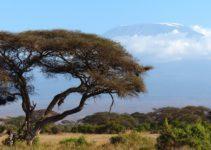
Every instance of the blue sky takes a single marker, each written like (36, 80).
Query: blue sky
(97, 16)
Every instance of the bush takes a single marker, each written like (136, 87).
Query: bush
(117, 139)
(55, 130)
(110, 128)
(86, 128)
(36, 141)
(133, 140)
(15, 121)
(65, 128)
(47, 128)
(143, 127)
(51, 129)
(102, 118)
(76, 141)
(2, 128)
(195, 136)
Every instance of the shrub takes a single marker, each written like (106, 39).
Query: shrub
(47, 128)
(86, 128)
(110, 128)
(102, 118)
(51, 129)
(143, 127)
(55, 130)
(36, 141)
(11, 127)
(65, 128)
(76, 141)
(2, 128)
(117, 139)
(195, 136)
(133, 140)
(15, 121)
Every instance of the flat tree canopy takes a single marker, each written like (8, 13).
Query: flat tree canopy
(101, 65)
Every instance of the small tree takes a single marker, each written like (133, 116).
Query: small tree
(99, 65)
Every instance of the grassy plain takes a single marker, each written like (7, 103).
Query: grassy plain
(96, 142)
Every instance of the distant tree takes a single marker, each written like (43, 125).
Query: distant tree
(188, 114)
(101, 66)
(102, 118)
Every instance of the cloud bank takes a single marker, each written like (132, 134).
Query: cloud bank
(171, 46)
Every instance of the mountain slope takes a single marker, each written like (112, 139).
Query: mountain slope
(151, 30)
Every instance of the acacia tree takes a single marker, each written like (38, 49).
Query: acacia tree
(101, 65)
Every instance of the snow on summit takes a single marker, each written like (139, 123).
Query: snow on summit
(151, 30)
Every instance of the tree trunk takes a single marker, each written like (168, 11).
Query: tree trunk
(25, 135)
(31, 136)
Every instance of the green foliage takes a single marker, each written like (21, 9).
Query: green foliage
(111, 128)
(104, 122)
(103, 118)
(117, 139)
(133, 139)
(86, 128)
(77, 141)
(143, 127)
(47, 128)
(2, 128)
(14, 122)
(152, 121)
(52, 129)
(55, 130)
(195, 136)
(188, 114)
(36, 141)
(66, 128)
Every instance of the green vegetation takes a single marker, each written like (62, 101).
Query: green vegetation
(2, 128)
(187, 127)
(76, 141)
(105, 122)
(109, 128)
(194, 136)
(152, 121)
(103, 118)
(132, 140)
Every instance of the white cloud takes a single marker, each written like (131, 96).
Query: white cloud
(169, 46)
(171, 24)
(206, 32)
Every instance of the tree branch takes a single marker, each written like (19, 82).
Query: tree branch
(58, 117)
(112, 103)
(60, 97)
(66, 113)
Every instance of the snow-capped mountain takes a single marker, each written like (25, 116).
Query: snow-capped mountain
(163, 41)
(151, 30)
(181, 57)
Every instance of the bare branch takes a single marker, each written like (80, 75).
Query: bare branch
(112, 103)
